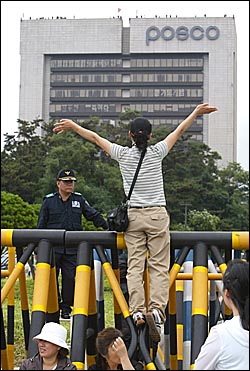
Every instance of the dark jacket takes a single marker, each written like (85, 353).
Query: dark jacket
(137, 366)
(35, 363)
(58, 214)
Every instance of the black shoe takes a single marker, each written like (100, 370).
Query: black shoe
(65, 315)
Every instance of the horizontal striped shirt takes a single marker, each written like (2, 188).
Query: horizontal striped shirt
(148, 189)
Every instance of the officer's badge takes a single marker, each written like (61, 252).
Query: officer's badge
(76, 204)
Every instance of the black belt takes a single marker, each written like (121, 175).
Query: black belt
(146, 207)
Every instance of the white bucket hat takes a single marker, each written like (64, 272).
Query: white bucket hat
(54, 333)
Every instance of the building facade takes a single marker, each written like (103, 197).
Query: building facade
(161, 67)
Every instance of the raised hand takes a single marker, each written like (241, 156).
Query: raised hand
(205, 108)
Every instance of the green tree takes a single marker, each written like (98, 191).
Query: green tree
(16, 213)
(190, 174)
(23, 161)
(202, 220)
(234, 213)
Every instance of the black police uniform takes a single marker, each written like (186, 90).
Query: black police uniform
(58, 214)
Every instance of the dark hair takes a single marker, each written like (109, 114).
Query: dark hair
(103, 341)
(63, 352)
(140, 129)
(236, 281)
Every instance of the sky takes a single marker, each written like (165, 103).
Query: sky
(13, 11)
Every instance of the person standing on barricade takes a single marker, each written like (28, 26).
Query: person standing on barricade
(64, 210)
(148, 229)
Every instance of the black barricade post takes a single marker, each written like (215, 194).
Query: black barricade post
(179, 322)
(17, 271)
(24, 298)
(172, 327)
(81, 304)
(175, 269)
(92, 319)
(11, 307)
(119, 296)
(222, 265)
(199, 300)
(41, 291)
(4, 353)
(143, 335)
(53, 312)
(117, 310)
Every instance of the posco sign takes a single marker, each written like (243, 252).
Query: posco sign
(182, 33)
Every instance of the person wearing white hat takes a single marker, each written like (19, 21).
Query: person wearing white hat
(52, 350)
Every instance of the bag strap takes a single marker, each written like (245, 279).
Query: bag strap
(135, 176)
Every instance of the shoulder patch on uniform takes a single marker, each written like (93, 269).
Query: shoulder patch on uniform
(50, 195)
(77, 193)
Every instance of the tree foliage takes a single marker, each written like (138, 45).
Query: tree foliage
(16, 213)
(203, 220)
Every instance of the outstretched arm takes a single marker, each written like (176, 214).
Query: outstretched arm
(65, 124)
(201, 109)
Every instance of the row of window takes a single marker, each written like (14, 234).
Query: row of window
(112, 108)
(87, 108)
(167, 77)
(132, 78)
(173, 108)
(118, 93)
(85, 63)
(167, 61)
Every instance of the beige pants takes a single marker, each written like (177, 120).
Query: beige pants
(148, 231)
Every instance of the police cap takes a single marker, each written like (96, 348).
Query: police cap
(66, 174)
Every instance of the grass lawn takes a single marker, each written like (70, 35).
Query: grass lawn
(19, 347)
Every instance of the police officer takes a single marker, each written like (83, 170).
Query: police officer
(64, 210)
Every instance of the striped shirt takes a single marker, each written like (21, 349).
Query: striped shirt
(148, 189)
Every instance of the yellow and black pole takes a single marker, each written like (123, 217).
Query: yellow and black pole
(199, 300)
(119, 297)
(172, 327)
(222, 265)
(179, 322)
(176, 267)
(11, 306)
(92, 319)
(25, 309)
(116, 270)
(4, 355)
(53, 312)
(143, 335)
(24, 299)
(16, 271)
(41, 291)
(81, 304)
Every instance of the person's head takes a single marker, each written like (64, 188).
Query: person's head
(65, 181)
(52, 340)
(140, 130)
(104, 342)
(236, 288)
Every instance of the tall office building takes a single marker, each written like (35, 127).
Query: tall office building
(161, 67)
